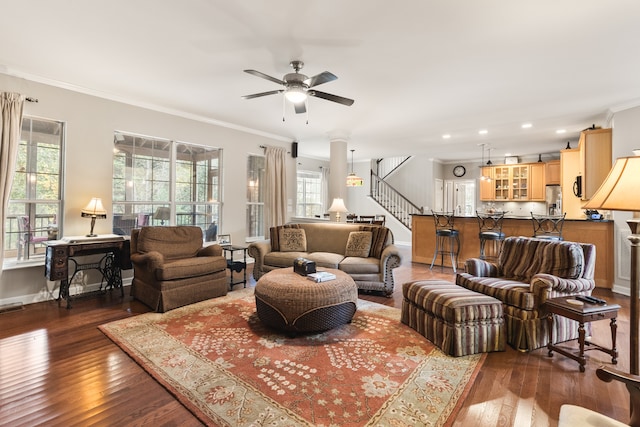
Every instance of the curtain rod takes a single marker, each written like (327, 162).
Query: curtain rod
(30, 99)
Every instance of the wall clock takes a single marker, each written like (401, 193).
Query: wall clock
(459, 171)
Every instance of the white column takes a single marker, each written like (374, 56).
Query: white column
(338, 171)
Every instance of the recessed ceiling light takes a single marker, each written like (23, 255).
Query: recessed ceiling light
(446, 136)
(483, 131)
(561, 131)
(526, 125)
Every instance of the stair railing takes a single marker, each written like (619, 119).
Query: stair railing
(393, 201)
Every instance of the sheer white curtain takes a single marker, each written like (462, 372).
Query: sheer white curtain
(325, 188)
(11, 107)
(276, 188)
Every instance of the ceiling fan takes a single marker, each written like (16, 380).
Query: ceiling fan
(297, 87)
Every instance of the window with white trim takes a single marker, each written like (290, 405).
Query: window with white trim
(35, 203)
(309, 194)
(255, 197)
(162, 182)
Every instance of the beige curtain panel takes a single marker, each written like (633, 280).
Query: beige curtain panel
(11, 106)
(275, 206)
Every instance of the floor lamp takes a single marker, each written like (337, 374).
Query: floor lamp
(619, 192)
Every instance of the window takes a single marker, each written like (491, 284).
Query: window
(35, 201)
(255, 197)
(309, 194)
(143, 193)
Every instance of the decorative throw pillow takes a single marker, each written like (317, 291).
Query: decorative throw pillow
(292, 240)
(359, 244)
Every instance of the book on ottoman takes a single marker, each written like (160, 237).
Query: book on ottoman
(321, 276)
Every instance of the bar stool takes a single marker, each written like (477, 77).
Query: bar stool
(547, 227)
(490, 230)
(447, 239)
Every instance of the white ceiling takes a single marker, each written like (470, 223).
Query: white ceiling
(417, 69)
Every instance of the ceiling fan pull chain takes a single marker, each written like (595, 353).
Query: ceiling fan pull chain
(283, 108)
(306, 104)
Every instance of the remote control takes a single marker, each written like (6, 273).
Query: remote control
(590, 300)
(598, 300)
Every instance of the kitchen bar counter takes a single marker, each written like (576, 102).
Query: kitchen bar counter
(599, 233)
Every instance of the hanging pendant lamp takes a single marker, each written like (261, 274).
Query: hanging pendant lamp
(484, 177)
(354, 180)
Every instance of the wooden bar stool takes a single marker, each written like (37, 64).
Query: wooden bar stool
(447, 239)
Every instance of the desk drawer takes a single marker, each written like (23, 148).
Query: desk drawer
(56, 263)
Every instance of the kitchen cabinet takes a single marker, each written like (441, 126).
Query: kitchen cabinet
(552, 172)
(595, 159)
(511, 182)
(486, 185)
(569, 169)
(501, 182)
(521, 182)
(537, 173)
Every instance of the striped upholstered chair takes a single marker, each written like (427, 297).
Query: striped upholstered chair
(528, 272)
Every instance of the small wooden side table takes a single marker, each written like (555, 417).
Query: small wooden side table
(582, 314)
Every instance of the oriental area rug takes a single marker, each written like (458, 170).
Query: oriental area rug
(230, 370)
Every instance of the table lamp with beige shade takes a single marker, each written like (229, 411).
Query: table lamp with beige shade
(93, 210)
(338, 207)
(620, 192)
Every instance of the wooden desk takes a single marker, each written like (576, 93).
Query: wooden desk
(582, 314)
(60, 253)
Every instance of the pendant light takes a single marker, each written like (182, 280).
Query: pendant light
(484, 177)
(354, 180)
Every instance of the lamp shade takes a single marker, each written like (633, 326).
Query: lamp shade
(618, 191)
(162, 213)
(354, 180)
(94, 209)
(338, 206)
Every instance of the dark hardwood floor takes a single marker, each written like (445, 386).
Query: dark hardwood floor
(57, 368)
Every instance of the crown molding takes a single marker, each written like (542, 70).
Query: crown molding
(137, 103)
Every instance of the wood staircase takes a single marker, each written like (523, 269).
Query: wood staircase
(394, 202)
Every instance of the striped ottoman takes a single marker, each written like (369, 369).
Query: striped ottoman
(459, 321)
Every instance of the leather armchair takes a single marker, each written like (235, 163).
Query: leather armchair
(171, 268)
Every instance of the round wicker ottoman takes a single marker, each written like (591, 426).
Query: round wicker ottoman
(288, 301)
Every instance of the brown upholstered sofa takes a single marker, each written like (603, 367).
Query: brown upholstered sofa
(528, 272)
(172, 269)
(365, 252)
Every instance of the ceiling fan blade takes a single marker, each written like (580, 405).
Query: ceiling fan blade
(264, 76)
(300, 107)
(321, 78)
(330, 97)
(257, 95)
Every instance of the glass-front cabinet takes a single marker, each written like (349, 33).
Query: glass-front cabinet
(502, 182)
(511, 182)
(520, 182)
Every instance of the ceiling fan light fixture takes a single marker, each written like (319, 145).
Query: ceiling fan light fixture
(295, 94)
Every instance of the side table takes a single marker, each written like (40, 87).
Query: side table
(582, 314)
(237, 266)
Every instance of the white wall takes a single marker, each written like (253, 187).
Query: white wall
(626, 129)
(90, 123)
